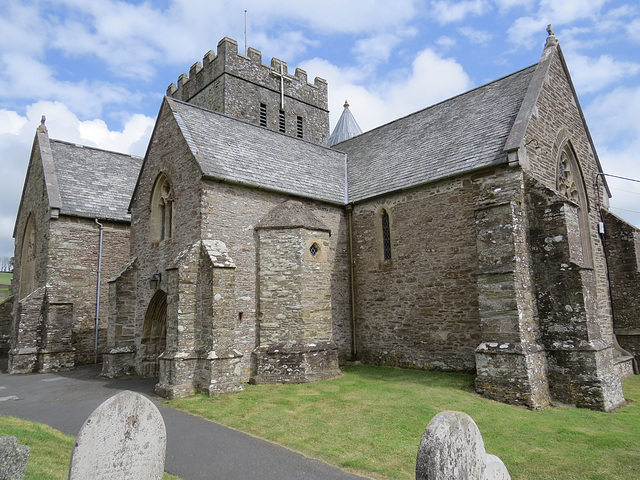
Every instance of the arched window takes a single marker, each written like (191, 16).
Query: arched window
(28, 259)
(161, 210)
(570, 184)
(386, 235)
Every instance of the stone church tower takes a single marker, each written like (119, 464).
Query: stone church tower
(241, 86)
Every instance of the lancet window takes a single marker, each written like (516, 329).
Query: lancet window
(569, 183)
(28, 259)
(162, 209)
(386, 235)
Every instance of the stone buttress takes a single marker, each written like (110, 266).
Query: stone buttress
(295, 340)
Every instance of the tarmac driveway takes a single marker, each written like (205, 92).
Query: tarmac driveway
(196, 448)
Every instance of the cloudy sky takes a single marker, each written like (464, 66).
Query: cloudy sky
(98, 68)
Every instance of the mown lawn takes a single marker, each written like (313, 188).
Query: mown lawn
(370, 421)
(50, 450)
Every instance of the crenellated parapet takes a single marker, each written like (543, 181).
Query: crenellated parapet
(248, 66)
(243, 87)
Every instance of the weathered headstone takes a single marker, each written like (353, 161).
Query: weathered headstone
(452, 448)
(13, 459)
(124, 438)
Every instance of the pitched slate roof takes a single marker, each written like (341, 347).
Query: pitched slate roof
(460, 134)
(94, 183)
(228, 149)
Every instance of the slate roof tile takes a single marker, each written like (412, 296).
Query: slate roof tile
(463, 133)
(237, 151)
(94, 183)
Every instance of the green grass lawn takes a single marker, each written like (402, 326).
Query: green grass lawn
(50, 450)
(370, 422)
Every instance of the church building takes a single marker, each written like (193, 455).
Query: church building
(470, 236)
(71, 235)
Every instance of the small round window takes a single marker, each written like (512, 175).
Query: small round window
(314, 249)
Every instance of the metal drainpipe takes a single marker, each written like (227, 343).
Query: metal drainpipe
(354, 348)
(95, 344)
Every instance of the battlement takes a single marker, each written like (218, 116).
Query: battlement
(250, 68)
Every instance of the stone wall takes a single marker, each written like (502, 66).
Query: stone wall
(558, 122)
(213, 211)
(420, 308)
(510, 362)
(6, 308)
(557, 125)
(622, 242)
(236, 85)
(73, 267)
(295, 324)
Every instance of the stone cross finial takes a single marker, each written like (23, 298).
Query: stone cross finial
(41, 127)
(346, 104)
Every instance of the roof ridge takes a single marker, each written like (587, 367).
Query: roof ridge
(91, 147)
(243, 121)
(449, 99)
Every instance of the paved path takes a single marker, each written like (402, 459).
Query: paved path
(196, 449)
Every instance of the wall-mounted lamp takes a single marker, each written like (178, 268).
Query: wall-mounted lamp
(536, 145)
(155, 278)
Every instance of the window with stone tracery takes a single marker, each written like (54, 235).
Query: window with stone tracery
(567, 177)
(162, 210)
(570, 184)
(28, 259)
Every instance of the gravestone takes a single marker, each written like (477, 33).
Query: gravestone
(452, 448)
(13, 459)
(124, 438)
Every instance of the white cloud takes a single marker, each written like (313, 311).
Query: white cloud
(374, 50)
(446, 41)
(613, 121)
(476, 36)
(447, 11)
(431, 79)
(569, 11)
(593, 74)
(526, 31)
(633, 29)
(509, 4)
(16, 137)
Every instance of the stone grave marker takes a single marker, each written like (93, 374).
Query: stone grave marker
(13, 459)
(124, 438)
(452, 448)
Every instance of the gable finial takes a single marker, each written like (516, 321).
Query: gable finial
(346, 104)
(42, 128)
(552, 41)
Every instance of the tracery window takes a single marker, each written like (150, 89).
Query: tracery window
(569, 183)
(28, 259)
(386, 235)
(162, 210)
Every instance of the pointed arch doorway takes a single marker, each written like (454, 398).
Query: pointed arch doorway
(154, 334)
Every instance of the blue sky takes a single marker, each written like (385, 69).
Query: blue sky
(98, 68)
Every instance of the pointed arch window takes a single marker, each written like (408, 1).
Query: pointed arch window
(28, 258)
(569, 183)
(162, 210)
(386, 235)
